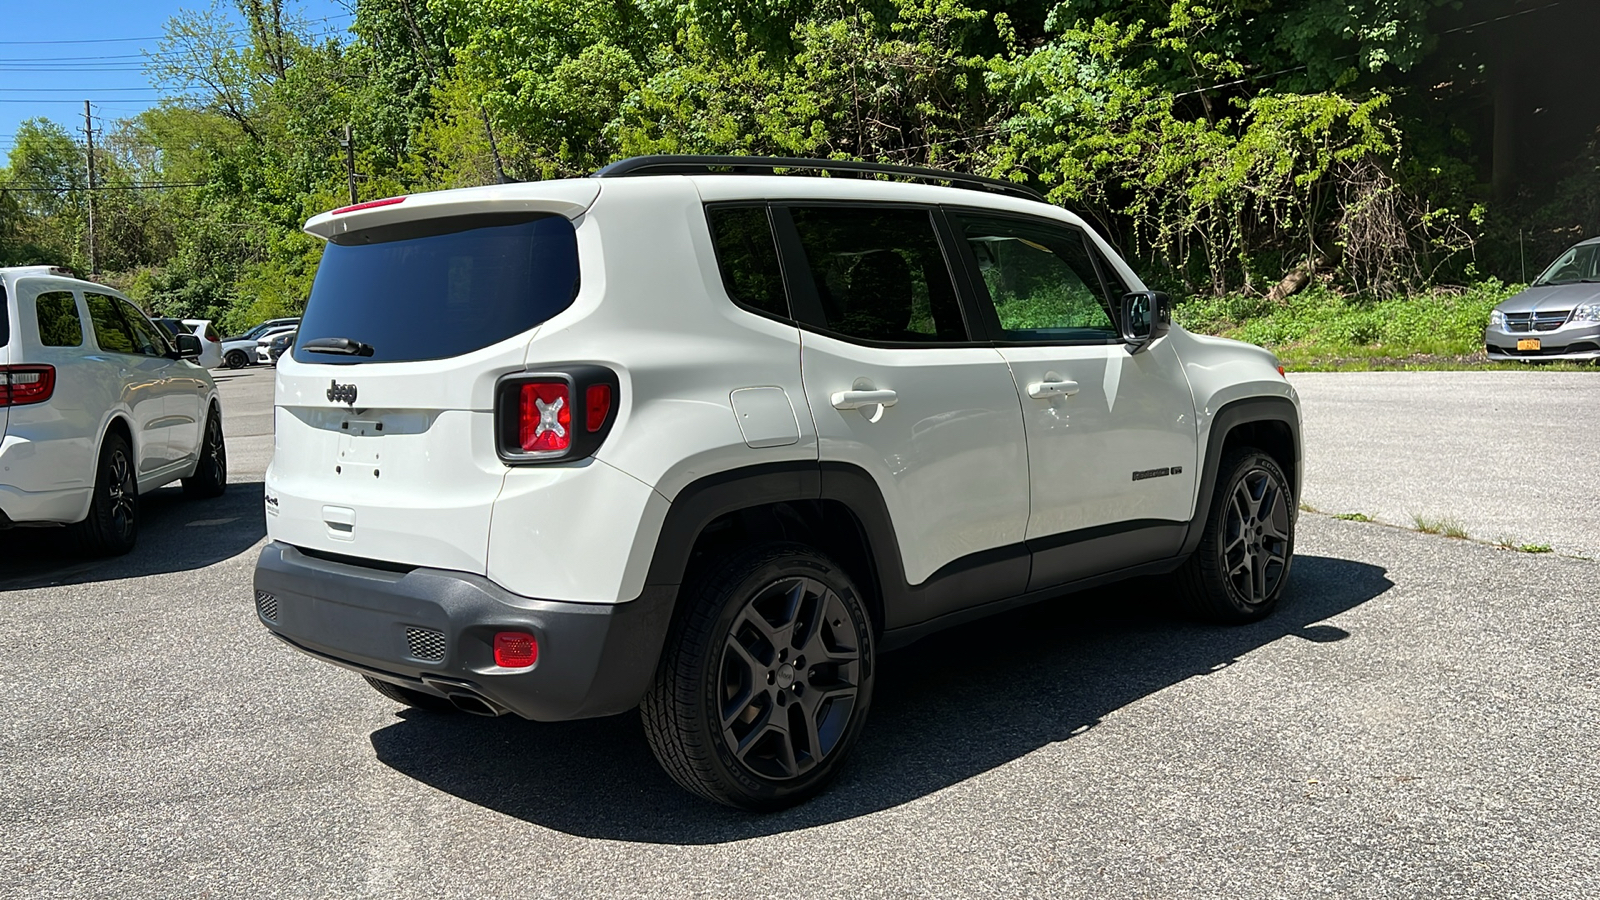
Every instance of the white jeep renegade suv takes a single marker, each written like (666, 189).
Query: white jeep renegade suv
(97, 408)
(707, 443)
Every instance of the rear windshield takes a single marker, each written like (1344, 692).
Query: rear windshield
(438, 288)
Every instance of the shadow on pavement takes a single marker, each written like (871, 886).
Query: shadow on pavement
(176, 534)
(947, 708)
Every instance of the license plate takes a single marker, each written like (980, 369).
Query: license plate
(1528, 344)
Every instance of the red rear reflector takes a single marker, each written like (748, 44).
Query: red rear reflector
(546, 417)
(22, 385)
(370, 204)
(515, 650)
(598, 401)
(1280, 372)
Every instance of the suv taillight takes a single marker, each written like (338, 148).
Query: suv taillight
(556, 415)
(22, 385)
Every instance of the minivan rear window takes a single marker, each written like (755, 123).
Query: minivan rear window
(437, 288)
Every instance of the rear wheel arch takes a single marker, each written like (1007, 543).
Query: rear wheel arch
(819, 505)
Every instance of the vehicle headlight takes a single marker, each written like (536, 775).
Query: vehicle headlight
(1588, 312)
(1497, 319)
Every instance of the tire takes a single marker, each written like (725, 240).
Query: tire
(1239, 570)
(741, 712)
(411, 698)
(112, 526)
(210, 478)
(236, 359)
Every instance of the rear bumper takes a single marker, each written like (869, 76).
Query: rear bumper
(594, 659)
(21, 507)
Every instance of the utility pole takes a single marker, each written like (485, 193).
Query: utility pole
(88, 134)
(349, 146)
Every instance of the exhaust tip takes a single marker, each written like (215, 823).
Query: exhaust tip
(472, 703)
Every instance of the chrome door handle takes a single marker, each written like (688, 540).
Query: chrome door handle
(858, 399)
(1042, 390)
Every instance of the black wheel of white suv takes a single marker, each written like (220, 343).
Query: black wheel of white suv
(112, 526)
(766, 680)
(1241, 566)
(210, 478)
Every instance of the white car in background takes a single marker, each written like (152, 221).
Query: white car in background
(96, 409)
(210, 341)
(238, 352)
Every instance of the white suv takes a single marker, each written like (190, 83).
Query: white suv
(97, 408)
(709, 442)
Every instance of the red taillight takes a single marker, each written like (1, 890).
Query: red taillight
(22, 385)
(370, 204)
(598, 401)
(1280, 372)
(546, 417)
(515, 650)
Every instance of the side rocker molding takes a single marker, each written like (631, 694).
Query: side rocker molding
(1241, 412)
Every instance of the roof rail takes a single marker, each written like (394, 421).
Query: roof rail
(668, 164)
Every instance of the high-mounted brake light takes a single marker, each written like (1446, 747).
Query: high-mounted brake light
(515, 650)
(22, 385)
(545, 425)
(370, 204)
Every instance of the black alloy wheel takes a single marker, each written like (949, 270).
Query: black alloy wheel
(1255, 549)
(210, 478)
(766, 680)
(1239, 570)
(112, 526)
(789, 676)
(236, 359)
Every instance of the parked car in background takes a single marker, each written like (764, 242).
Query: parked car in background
(210, 341)
(97, 407)
(240, 351)
(269, 348)
(1557, 317)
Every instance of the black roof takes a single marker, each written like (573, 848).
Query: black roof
(666, 164)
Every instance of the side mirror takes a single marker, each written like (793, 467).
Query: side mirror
(1146, 315)
(188, 346)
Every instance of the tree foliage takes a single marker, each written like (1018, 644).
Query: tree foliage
(1219, 143)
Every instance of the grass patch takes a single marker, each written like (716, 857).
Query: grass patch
(1534, 548)
(1447, 527)
(1320, 329)
(1353, 517)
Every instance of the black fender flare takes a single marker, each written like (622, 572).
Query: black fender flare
(1232, 415)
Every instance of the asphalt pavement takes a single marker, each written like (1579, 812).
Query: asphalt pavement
(1507, 456)
(1418, 720)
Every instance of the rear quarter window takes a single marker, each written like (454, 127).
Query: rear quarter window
(59, 322)
(437, 288)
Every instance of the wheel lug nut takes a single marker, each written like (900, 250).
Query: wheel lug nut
(771, 678)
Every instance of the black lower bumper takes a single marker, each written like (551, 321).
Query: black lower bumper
(433, 630)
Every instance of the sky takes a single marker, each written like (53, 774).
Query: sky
(54, 54)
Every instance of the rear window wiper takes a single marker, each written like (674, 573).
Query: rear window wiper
(343, 346)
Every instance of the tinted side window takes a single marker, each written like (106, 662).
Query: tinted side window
(110, 331)
(147, 337)
(879, 273)
(1040, 279)
(59, 322)
(748, 258)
